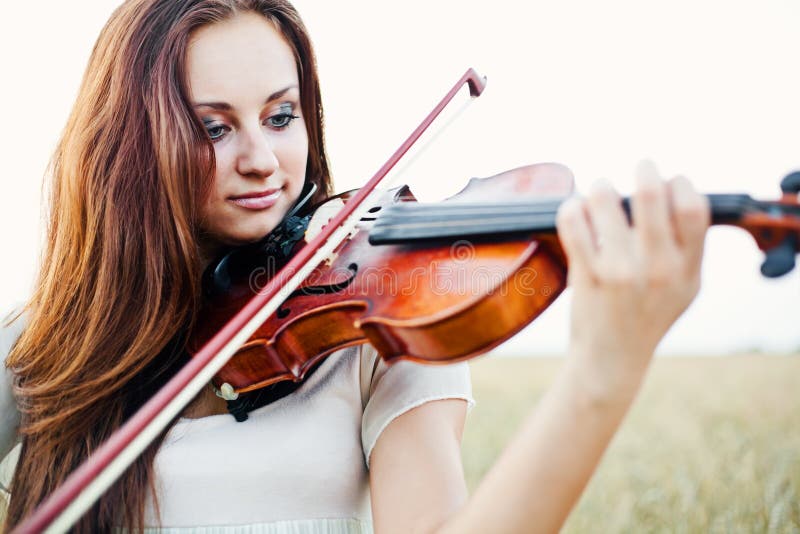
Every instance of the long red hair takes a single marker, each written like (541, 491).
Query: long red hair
(120, 275)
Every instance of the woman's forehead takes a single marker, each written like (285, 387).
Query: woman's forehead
(242, 58)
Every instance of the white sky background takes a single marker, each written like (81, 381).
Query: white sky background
(707, 89)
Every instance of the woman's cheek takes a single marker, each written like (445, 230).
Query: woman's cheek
(213, 210)
(222, 168)
(299, 150)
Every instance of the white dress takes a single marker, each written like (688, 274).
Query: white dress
(296, 466)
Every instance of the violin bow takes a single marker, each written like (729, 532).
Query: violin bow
(67, 504)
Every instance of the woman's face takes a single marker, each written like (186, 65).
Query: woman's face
(245, 89)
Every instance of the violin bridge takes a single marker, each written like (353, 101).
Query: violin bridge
(322, 217)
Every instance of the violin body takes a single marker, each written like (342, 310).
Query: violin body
(438, 301)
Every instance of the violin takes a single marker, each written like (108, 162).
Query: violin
(431, 283)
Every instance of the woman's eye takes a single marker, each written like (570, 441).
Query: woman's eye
(216, 131)
(281, 120)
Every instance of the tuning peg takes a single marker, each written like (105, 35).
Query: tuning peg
(791, 183)
(781, 259)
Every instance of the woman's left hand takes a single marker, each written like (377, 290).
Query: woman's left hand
(631, 281)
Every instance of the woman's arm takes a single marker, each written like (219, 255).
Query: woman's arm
(629, 285)
(416, 476)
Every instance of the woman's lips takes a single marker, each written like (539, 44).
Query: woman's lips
(258, 201)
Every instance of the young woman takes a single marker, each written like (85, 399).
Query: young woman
(196, 127)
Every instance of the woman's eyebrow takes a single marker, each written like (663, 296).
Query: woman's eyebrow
(278, 94)
(224, 106)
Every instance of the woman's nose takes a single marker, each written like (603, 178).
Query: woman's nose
(256, 154)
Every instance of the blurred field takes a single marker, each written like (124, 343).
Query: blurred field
(712, 444)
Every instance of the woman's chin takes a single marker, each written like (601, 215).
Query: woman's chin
(250, 235)
(244, 234)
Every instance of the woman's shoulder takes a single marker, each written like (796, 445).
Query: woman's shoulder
(408, 375)
(388, 391)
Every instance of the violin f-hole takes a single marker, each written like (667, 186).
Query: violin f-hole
(323, 289)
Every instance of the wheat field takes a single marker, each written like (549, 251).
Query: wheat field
(711, 445)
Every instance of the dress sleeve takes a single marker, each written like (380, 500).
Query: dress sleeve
(391, 390)
(9, 415)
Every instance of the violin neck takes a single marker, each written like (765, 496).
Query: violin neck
(410, 221)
